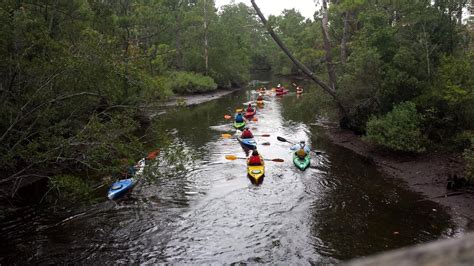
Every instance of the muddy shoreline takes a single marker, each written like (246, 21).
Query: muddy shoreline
(194, 99)
(426, 174)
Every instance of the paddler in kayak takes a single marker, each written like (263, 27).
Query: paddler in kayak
(301, 149)
(299, 89)
(246, 134)
(249, 108)
(255, 159)
(239, 118)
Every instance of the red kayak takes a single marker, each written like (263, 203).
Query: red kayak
(283, 92)
(250, 114)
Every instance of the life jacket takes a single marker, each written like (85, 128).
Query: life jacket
(301, 153)
(249, 110)
(246, 134)
(259, 98)
(255, 160)
(239, 118)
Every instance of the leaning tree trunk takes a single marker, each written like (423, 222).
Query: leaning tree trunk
(327, 46)
(206, 42)
(345, 33)
(305, 69)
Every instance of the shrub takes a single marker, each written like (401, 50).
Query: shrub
(187, 82)
(398, 130)
(469, 158)
(70, 187)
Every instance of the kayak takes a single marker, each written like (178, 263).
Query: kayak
(302, 164)
(256, 171)
(239, 125)
(250, 114)
(248, 143)
(121, 187)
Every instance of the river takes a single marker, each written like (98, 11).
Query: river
(194, 206)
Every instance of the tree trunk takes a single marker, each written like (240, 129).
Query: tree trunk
(345, 32)
(303, 68)
(327, 46)
(206, 43)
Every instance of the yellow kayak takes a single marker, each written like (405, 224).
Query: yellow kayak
(256, 172)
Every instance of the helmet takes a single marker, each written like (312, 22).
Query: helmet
(279, 85)
(255, 153)
(302, 142)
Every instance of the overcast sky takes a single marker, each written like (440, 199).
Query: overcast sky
(275, 7)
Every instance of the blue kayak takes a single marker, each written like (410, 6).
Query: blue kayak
(248, 143)
(121, 187)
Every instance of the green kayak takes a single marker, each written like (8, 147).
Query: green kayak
(302, 164)
(239, 125)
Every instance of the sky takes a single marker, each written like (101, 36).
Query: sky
(275, 7)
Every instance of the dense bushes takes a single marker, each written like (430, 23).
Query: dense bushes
(397, 130)
(187, 82)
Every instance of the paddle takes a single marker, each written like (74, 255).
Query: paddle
(152, 155)
(233, 157)
(285, 140)
(226, 136)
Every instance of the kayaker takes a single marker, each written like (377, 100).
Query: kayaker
(246, 134)
(255, 158)
(239, 118)
(249, 108)
(301, 149)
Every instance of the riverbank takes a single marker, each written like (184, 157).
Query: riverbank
(426, 174)
(194, 99)
(159, 108)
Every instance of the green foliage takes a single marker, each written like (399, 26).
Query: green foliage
(70, 187)
(398, 130)
(469, 159)
(187, 82)
(359, 86)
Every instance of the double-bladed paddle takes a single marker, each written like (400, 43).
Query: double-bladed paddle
(285, 140)
(227, 117)
(233, 157)
(226, 136)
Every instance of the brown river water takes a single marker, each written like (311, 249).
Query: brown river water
(194, 206)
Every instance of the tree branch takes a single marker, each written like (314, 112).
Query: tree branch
(300, 65)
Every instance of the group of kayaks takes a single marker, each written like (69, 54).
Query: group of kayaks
(257, 172)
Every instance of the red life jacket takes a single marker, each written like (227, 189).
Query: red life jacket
(246, 134)
(255, 160)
